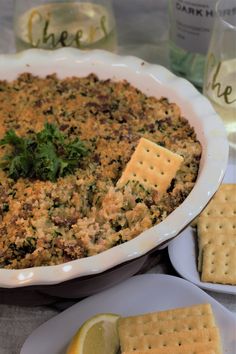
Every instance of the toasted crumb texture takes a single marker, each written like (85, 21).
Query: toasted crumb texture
(80, 215)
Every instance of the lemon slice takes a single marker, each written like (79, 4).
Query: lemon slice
(98, 335)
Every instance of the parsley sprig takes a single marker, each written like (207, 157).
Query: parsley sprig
(46, 155)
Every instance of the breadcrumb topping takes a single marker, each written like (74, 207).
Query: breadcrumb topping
(82, 214)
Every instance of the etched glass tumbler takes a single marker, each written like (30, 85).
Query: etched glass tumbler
(220, 70)
(51, 24)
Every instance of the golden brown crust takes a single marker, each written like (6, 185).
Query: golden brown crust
(84, 214)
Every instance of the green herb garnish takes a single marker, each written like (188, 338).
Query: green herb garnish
(45, 155)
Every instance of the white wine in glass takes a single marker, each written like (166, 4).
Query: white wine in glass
(51, 25)
(220, 71)
(221, 91)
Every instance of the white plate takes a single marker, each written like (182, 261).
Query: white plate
(183, 252)
(183, 255)
(139, 294)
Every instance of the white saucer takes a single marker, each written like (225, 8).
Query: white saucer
(183, 256)
(139, 294)
(183, 251)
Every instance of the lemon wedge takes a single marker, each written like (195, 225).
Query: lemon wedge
(98, 335)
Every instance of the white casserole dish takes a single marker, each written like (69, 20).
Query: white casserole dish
(153, 80)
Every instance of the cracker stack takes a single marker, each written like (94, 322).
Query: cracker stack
(183, 330)
(216, 230)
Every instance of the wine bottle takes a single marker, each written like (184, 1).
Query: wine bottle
(191, 22)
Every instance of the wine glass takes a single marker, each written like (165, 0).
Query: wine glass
(51, 24)
(220, 69)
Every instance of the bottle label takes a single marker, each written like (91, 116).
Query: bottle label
(191, 24)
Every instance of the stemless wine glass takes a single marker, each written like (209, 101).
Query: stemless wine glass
(51, 24)
(220, 71)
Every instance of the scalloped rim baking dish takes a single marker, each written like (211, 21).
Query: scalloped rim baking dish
(153, 80)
